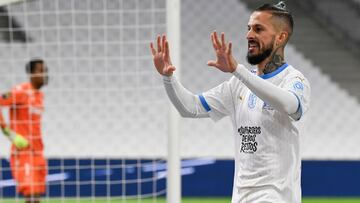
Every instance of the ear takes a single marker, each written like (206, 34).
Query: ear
(282, 38)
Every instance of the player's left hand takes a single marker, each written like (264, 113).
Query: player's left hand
(224, 59)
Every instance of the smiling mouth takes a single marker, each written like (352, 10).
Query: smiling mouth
(252, 45)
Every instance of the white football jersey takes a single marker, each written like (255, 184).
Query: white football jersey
(267, 142)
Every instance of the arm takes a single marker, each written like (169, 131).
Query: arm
(2, 121)
(188, 104)
(18, 140)
(277, 97)
(280, 99)
(5, 100)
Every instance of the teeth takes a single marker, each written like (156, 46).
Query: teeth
(253, 44)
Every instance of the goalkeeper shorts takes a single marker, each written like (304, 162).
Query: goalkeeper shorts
(29, 171)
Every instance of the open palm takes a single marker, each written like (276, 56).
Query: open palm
(224, 59)
(161, 56)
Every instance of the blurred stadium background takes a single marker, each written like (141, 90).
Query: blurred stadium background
(105, 125)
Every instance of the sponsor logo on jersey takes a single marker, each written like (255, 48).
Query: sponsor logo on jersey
(300, 78)
(252, 100)
(248, 138)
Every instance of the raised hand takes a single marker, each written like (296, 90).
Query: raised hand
(224, 59)
(161, 56)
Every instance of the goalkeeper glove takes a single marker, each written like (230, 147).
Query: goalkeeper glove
(18, 140)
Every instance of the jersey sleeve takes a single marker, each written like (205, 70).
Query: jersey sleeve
(300, 87)
(13, 97)
(218, 101)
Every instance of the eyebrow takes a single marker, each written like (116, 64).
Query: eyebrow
(255, 25)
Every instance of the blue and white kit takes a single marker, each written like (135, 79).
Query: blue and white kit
(267, 113)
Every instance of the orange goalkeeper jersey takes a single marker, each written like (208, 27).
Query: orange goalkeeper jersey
(26, 107)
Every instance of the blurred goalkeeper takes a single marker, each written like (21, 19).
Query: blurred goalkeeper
(25, 102)
(266, 104)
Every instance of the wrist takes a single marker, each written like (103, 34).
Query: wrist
(235, 69)
(168, 74)
(167, 79)
(234, 64)
(9, 133)
(6, 130)
(240, 71)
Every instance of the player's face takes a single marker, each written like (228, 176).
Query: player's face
(39, 77)
(261, 37)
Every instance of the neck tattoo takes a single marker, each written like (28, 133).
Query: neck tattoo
(276, 62)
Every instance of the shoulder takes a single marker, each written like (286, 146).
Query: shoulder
(21, 87)
(292, 72)
(40, 95)
(296, 82)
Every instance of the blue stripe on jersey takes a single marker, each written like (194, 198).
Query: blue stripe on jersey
(204, 103)
(272, 74)
(299, 109)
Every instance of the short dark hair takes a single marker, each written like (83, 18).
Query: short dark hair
(30, 66)
(279, 10)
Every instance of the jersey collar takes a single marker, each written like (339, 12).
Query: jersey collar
(272, 74)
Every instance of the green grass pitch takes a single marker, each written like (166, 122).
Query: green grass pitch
(184, 200)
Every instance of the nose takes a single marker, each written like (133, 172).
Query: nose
(250, 35)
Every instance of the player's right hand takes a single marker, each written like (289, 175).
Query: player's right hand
(161, 56)
(18, 140)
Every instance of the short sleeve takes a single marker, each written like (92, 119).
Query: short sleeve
(16, 96)
(300, 87)
(218, 101)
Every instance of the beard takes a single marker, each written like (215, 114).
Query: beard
(258, 58)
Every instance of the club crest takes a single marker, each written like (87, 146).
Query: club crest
(299, 86)
(252, 100)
